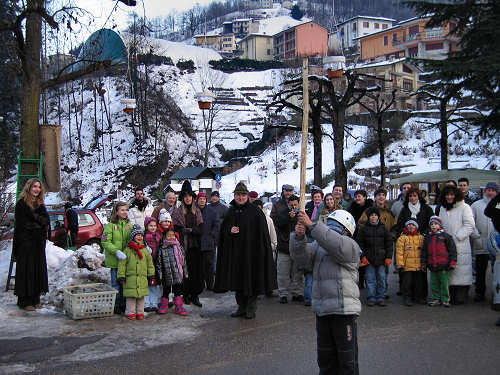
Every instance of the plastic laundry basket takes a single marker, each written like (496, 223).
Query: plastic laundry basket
(89, 301)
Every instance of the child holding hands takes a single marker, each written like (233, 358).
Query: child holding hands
(134, 272)
(439, 255)
(408, 255)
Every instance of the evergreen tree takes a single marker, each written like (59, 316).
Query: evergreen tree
(296, 13)
(475, 67)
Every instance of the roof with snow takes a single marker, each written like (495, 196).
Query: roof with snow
(193, 173)
(477, 177)
(303, 23)
(369, 18)
(383, 63)
(253, 35)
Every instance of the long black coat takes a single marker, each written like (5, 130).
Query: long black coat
(284, 225)
(245, 262)
(210, 230)
(30, 235)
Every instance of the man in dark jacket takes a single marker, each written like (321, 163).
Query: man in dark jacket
(219, 207)
(290, 280)
(245, 261)
(72, 220)
(209, 237)
(282, 203)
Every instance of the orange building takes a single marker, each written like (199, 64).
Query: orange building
(307, 39)
(410, 38)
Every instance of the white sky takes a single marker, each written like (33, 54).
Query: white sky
(153, 8)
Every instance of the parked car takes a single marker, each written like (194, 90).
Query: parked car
(89, 226)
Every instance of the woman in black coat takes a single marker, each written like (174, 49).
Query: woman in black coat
(415, 207)
(30, 235)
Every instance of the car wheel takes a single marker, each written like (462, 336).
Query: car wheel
(95, 243)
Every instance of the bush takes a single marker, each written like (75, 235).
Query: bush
(238, 65)
(151, 59)
(185, 64)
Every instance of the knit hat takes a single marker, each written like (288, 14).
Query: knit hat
(201, 194)
(186, 190)
(492, 185)
(241, 188)
(253, 194)
(411, 221)
(136, 229)
(372, 210)
(215, 193)
(380, 190)
(148, 220)
(164, 216)
(437, 220)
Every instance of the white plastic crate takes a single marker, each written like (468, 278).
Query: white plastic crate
(89, 301)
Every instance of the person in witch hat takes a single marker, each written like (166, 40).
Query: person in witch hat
(245, 262)
(188, 221)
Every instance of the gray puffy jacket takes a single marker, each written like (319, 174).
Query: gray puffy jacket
(335, 260)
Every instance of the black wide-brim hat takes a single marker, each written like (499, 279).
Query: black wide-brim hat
(186, 190)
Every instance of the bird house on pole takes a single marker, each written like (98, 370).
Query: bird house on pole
(129, 104)
(205, 99)
(334, 66)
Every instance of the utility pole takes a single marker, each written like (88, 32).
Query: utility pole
(305, 129)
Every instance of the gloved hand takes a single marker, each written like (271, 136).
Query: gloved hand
(453, 265)
(364, 262)
(149, 250)
(187, 230)
(120, 255)
(423, 268)
(120, 280)
(388, 262)
(151, 281)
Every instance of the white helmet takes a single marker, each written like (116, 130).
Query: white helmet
(344, 218)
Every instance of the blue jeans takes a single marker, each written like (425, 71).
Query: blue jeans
(114, 276)
(308, 285)
(119, 301)
(375, 282)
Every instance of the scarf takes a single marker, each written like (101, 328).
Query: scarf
(414, 209)
(135, 246)
(408, 233)
(179, 255)
(315, 211)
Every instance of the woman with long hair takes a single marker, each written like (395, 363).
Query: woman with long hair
(188, 222)
(31, 229)
(330, 204)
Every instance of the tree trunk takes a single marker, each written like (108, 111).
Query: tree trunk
(338, 147)
(317, 143)
(30, 103)
(443, 128)
(381, 149)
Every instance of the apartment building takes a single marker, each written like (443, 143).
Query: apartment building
(306, 39)
(350, 30)
(219, 42)
(410, 38)
(244, 26)
(256, 47)
(258, 4)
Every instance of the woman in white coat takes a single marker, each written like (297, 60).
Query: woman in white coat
(458, 221)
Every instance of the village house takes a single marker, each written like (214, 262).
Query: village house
(409, 38)
(258, 4)
(350, 30)
(201, 179)
(306, 39)
(256, 47)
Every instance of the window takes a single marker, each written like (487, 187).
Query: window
(407, 84)
(394, 37)
(385, 26)
(377, 25)
(56, 222)
(85, 220)
(354, 26)
(412, 31)
(406, 69)
(434, 46)
(366, 24)
(386, 40)
(413, 51)
(268, 52)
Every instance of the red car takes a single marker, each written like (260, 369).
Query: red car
(89, 226)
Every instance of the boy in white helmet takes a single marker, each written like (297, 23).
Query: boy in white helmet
(335, 293)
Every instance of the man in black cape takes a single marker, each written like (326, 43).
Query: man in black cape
(245, 262)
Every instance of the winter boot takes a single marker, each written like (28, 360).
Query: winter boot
(163, 306)
(131, 317)
(179, 308)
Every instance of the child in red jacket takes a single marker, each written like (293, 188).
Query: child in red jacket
(439, 255)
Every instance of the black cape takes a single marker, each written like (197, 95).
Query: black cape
(244, 261)
(28, 247)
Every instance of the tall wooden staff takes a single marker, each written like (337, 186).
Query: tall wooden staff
(305, 130)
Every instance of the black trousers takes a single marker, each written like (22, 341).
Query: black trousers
(481, 268)
(23, 301)
(193, 284)
(458, 294)
(209, 268)
(177, 289)
(412, 284)
(246, 303)
(361, 278)
(337, 337)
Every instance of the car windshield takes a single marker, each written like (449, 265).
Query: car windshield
(95, 202)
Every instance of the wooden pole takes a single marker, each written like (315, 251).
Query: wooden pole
(305, 129)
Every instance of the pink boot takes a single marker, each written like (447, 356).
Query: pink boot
(163, 306)
(179, 309)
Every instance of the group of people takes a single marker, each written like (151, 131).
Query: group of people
(322, 256)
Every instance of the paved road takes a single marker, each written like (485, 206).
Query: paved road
(395, 339)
